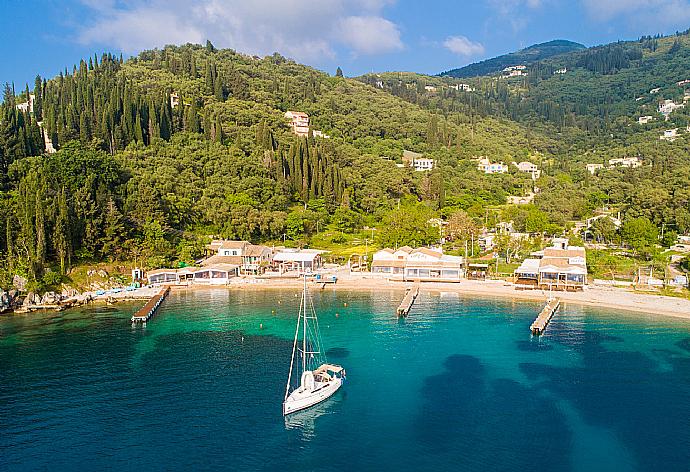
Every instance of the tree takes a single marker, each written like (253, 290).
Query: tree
(62, 238)
(640, 235)
(603, 229)
(461, 227)
(408, 226)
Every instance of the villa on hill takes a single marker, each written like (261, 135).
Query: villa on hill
(299, 122)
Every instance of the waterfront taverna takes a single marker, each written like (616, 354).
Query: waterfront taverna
(421, 264)
(560, 267)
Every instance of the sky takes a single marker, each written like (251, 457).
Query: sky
(429, 36)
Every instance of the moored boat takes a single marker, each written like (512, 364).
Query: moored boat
(318, 380)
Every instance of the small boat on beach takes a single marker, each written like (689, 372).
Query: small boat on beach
(318, 380)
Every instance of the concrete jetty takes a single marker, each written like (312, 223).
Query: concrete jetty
(539, 325)
(408, 301)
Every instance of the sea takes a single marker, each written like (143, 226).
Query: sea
(460, 384)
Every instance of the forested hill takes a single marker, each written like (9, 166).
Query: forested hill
(156, 153)
(525, 57)
(593, 94)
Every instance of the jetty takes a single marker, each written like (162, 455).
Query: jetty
(408, 301)
(148, 310)
(543, 319)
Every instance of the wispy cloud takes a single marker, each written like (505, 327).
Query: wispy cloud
(659, 14)
(302, 29)
(462, 46)
(515, 12)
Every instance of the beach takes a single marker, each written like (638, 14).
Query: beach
(602, 297)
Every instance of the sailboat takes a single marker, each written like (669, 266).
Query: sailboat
(318, 380)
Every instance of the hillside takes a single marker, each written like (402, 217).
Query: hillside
(158, 152)
(527, 56)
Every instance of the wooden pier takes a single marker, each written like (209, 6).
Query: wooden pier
(148, 310)
(542, 321)
(408, 301)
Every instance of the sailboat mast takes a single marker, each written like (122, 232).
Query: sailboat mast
(304, 318)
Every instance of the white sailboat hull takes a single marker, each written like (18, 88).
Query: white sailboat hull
(302, 398)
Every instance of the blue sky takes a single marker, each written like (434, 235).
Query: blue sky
(44, 36)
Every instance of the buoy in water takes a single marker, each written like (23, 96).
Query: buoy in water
(261, 326)
(337, 315)
(345, 304)
(273, 312)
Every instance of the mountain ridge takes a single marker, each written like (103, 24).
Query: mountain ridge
(526, 56)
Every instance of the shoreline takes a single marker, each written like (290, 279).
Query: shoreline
(597, 297)
(607, 298)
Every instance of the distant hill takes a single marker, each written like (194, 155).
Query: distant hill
(525, 56)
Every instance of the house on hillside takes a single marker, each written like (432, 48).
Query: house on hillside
(528, 168)
(669, 135)
(560, 267)
(669, 106)
(593, 168)
(462, 87)
(299, 122)
(629, 162)
(417, 161)
(488, 167)
(643, 120)
(28, 106)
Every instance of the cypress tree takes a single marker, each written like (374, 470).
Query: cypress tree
(38, 98)
(61, 233)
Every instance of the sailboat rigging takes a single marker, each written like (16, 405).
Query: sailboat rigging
(318, 380)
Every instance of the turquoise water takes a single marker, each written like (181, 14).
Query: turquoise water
(459, 385)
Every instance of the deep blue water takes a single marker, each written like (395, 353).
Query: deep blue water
(459, 385)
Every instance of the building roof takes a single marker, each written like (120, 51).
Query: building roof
(218, 259)
(572, 251)
(529, 266)
(233, 244)
(428, 252)
(255, 251)
(220, 267)
(411, 155)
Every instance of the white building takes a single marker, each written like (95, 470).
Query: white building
(670, 135)
(299, 122)
(488, 167)
(593, 168)
(643, 120)
(417, 161)
(300, 261)
(629, 162)
(669, 106)
(462, 87)
(423, 164)
(418, 264)
(528, 168)
(429, 88)
(28, 106)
